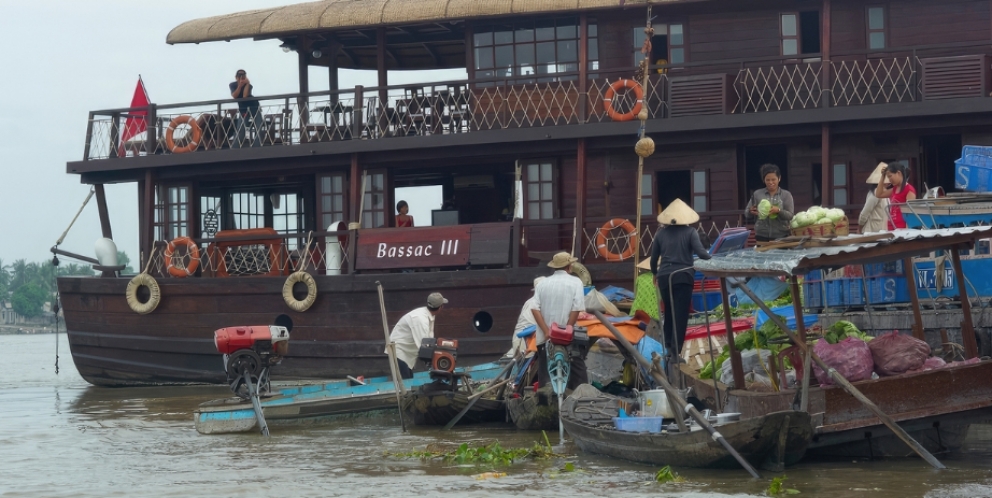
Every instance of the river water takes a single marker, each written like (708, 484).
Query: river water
(60, 436)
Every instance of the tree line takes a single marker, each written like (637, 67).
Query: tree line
(28, 286)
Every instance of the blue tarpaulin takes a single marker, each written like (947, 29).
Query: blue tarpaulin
(789, 313)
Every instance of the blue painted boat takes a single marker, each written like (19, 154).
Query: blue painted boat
(309, 403)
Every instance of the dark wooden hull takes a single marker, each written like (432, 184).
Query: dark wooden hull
(339, 335)
(756, 439)
(936, 407)
(534, 412)
(428, 406)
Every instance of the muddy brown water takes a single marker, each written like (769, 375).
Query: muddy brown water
(60, 436)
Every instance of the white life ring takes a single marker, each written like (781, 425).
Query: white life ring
(287, 291)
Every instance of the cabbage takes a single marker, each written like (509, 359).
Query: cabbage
(803, 219)
(795, 222)
(816, 212)
(824, 221)
(835, 214)
(764, 208)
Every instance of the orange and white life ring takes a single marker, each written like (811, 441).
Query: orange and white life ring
(631, 232)
(180, 270)
(193, 137)
(612, 91)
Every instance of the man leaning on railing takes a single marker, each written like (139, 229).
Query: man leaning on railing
(248, 111)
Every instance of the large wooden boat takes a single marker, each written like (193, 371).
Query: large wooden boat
(824, 89)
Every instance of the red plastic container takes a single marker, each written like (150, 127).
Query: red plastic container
(561, 336)
(231, 339)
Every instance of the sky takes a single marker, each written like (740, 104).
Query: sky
(63, 59)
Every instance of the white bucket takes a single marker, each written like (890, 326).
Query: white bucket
(654, 403)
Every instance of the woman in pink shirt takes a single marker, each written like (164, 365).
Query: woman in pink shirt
(897, 189)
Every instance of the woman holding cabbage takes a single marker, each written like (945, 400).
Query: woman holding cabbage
(772, 206)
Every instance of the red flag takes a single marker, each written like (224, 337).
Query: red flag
(137, 121)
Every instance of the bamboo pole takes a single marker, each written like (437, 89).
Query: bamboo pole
(394, 368)
(640, 160)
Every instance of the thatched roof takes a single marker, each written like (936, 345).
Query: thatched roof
(350, 14)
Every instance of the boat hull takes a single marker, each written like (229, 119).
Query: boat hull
(340, 334)
(535, 411)
(433, 405)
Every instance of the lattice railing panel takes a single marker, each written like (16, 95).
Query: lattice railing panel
(617, 241)
(875, 81)
(779, 88)
(655, 98)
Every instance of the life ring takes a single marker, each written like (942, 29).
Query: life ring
(154, 293)
(191, 250)
(194, 135)
(627, 227)
(612, 91)
(287, 291)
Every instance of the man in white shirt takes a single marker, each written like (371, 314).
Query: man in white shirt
(410, 330)
(559, 299)
(526, 319)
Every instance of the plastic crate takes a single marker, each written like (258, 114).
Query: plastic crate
(638, 424)
(813, 290)
(976, 150)
(855, 295)
(972, 177)
(887, 269)
(884, 290)
(836, 290)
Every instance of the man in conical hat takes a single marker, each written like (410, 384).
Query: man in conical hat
(671, 264)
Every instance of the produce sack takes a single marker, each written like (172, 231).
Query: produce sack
(850, 357)
(932, 363)
(896, 353)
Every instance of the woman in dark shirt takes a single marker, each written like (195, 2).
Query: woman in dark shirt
(671, 263)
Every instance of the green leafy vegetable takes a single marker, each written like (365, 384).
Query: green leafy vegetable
(764, 208)
(666, 474)
(843, 329)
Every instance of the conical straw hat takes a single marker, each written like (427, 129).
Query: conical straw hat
(876, 176)
(678, 213)
(645, 264)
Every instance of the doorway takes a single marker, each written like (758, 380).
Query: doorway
(673, 185)
(937, 162)
(757, 156)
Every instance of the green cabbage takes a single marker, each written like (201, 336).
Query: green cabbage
(803, 219)
(795, 222)
(835, 214)
(842, 330)
(824, 221)
(816, 212)
(764, 208)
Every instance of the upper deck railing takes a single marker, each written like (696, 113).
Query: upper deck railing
(472, 106)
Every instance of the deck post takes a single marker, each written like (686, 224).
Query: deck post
(115, 133)
(358, 120)
(101, 206)
(303, 101)
(151, 120)
(89, 137)
(147, 214)
(583, 69)
(825, 168)
(580, 197)
(914, 299)
(380, 64)
(355, 185)
(735, 356)
(967, 327)
(826, 92)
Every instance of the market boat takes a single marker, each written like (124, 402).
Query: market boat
(311, 403)
(773, 440)
(436, 403)
(935, 407)
(540, 127)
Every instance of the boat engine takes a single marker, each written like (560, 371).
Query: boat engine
(439, 355)
(249, 352)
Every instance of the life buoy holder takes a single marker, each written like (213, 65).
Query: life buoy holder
(287, 291)
(628, 228)
(154, 293)
(194, 135)
(177, 270)
(612, 91)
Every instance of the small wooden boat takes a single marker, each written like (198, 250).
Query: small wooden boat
(771, 441)
(305, 404)
(437, 403)
(534, 410)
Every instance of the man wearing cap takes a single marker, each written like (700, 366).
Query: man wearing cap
(559, 299)
(524, 321)
(671, 264)
(410, 330)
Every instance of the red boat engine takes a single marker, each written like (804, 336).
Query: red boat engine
(439, 354)
(249, 352)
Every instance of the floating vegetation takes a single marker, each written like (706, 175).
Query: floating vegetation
(489, 475)
(777, 488)
(666, 474)
(491, 454)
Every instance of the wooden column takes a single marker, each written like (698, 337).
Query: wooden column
(735, 356)
(826, 166)
(332, 75)
(967, 327)
(380, 62)
(302, 102)
(825, 42)
(914, 300)
(583, 67)
(142, 226)
(355, 185)
(101, 206)
(148, 214)
(580, 197)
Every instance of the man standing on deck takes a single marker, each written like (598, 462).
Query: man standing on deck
(248, 111)
(559, 299)
(410, 330)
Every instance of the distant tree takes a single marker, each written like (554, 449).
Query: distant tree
(19, 274)
(4, 280)
(28, 300)
(122, 259)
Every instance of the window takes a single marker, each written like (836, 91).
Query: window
(839, 177)
(375, 201)
(647, 195)
(790, 34)
(287, 215)
(876, 27)
(800, 32)
(540, 191)
(247, 211)
(667, 44)
(522, 51)
(171, 212)
(331, 199)
(700, 191)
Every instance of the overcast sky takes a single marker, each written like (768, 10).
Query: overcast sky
(62, 59)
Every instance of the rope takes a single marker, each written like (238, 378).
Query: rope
(58, 298)
(85, 202)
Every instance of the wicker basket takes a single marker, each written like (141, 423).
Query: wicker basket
(824, 230)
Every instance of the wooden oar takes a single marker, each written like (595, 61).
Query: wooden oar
(475, 397)
(394, 368)
(842, 382)
(675, 398)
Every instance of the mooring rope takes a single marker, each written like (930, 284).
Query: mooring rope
(58, 297)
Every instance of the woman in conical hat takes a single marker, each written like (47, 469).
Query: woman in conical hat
(875, 215)
(671, 264)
